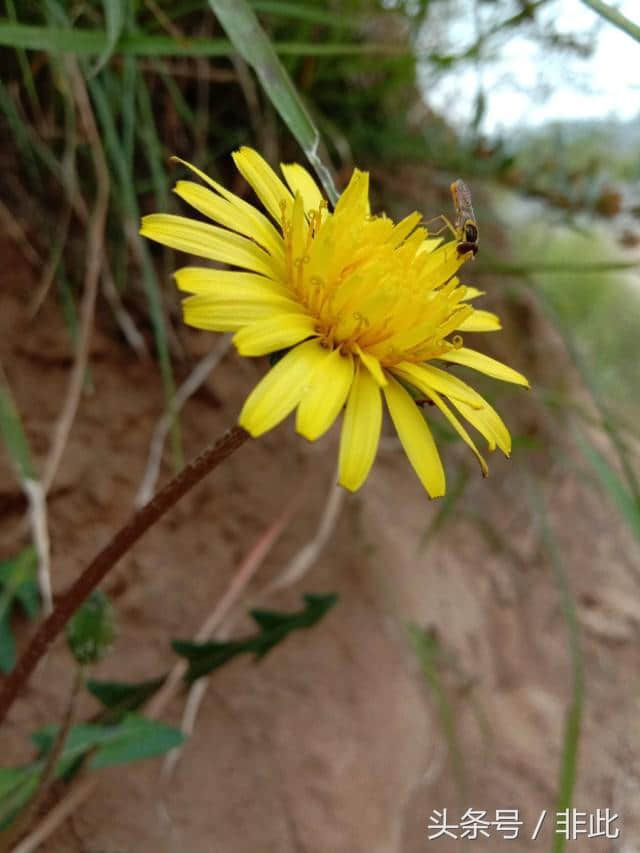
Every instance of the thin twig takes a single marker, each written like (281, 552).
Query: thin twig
(80, 789)
(308, 554)
(107, 558)
(128, 328)
(37, 499)
(190, 385)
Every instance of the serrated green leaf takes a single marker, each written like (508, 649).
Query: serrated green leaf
(203, 658)
(118, 696)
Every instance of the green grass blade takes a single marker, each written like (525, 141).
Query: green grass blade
(573, 718)
(627, 505)
(25, 68)
(85, 42)
(155, 156)
(114, 21)
(609, 13)
(124, 191)
(251, 42)
(430, 654)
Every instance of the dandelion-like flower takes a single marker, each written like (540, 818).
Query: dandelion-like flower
(364, 307)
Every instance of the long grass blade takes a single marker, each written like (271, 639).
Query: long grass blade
(84, 42)
(573, 717)
(252, 43)
(627, 504)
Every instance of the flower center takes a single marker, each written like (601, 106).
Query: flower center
(374, 286)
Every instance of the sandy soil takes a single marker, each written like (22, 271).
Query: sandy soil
(334, 742)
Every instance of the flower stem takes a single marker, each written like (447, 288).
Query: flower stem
(107, 558)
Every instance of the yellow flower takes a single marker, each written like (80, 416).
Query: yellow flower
(364, 307)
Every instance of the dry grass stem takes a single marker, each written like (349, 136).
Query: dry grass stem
(190, 385)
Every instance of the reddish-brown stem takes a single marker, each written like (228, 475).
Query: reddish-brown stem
(107, 558)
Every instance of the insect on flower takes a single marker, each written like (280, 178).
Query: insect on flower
(466, 227)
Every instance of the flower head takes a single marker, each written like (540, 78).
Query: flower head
(364, 307)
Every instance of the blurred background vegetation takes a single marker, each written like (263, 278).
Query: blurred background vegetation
(406, 90)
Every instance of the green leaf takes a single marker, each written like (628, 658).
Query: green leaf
(140, 738)
(252, 43)
(132, 739)
(118, 696)
(18, 582)
(7, 646)
(203, 658)
(91, 630)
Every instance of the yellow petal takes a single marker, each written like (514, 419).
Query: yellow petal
(429, 244)
(360, 432)
(209, 241)
(273, 334)
(485, 364)
(480, 321)
(459, 428)
(263, 231)
(207, 280)
(279, 392)
(230, 313)
(416, 438)
(472, 292)
(263, 180)
(426, 377)
(354, 201)
(325, 395)
(300, 181)
(403, 228)
(253, 225)
(488, 423)
(373, 366)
